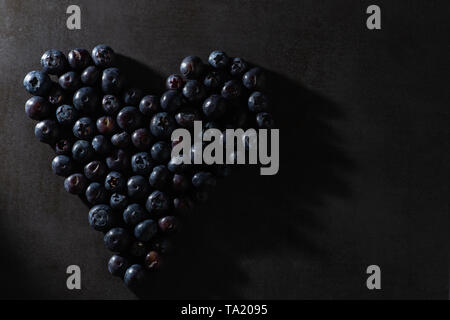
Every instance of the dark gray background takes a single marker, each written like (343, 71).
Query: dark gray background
(364, 144)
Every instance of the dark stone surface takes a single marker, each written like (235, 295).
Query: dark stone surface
(364, 140)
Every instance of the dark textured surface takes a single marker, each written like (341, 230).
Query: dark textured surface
(363, 177)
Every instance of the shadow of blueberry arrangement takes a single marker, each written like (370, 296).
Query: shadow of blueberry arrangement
(113, 146)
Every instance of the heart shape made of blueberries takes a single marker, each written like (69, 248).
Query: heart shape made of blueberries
(113, 142)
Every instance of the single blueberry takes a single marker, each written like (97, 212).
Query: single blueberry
(37, 83)
(146, 230)
(141, 163)
(101, 217)
(82, 151)
(134, 214)
(53, 62)
(66, 115)
(117, 265)
(117, 240)
(62, 165)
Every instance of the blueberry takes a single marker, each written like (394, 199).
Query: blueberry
(258, 102)
(79, 59)
(53, 62)
(191, 67)
(84, 128)
(75, 183)
(118, 201)
(118, 160)
(62, 165)
(158, 203)
(56, 96)
(138, 187)
(37, 108)
(90, 76)
(141, 163)
(183, 205)
(186, 118)
(134, 214)
(135, 276)
(96, 193)
(214, 79)
(159, 178)
(193, 90)
(37, 83)
(101, 144)
(129, 119)
(112, 81)
(46, 131)
(171, 101)
(264, 120)
(82, 151)
(110, 104)
(149, 105)
(103, 56)
(162, 125)
(117, 240)
(180, 183)
(218, 59)
(160, 152)
(132, 96)
(203, 180)
(231, 89)
(153, 261)
(214, 107)
(254, 79)
(142, 139)
(117, 265)
(114, 182)
(63, 147)
(121, 140)
(85, 100)
(168, 224)
(238, 67)
(174, 82)
(101, 217)
(177, 165)
(66, 115)
(138, 249)
(95, 170)
(70, 81)
(146, 230)
(106, 125)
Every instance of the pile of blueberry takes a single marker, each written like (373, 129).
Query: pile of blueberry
(113, 143)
